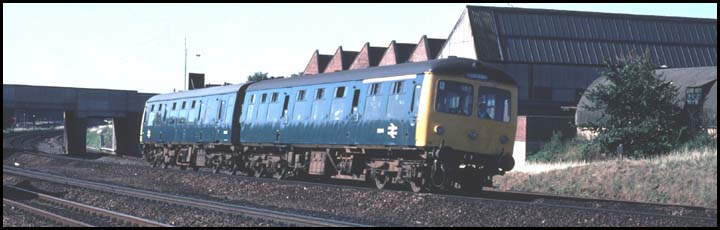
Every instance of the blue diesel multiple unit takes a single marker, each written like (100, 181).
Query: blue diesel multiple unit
(439, 124)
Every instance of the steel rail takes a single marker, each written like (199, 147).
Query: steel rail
(271, 215)
(45, 214)
(92, 210)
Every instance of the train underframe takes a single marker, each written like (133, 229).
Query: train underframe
(420, 169)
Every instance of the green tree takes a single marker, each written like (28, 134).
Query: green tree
(639, 115)
(299, 74)
(257, 76)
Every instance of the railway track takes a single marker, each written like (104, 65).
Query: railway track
(270, 215)
(621, 207)
(80, 212)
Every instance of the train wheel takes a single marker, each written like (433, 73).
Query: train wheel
(234, 169)
(438, 176)
(380, 180)
(472, 185)
(418, 184)
(281, 171)
(259, 171)
(216, 168)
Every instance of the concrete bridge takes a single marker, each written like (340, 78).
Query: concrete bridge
(125, 107)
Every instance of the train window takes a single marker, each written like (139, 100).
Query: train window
(174, 105)
(693, 95)
(397, 87)
(375, 89)
(183, 106)
(274, 97)
(494, 104)
(301, 95)
(220, 109)
(356, 99)
(252, 99)
(263, 98)
(160, 107)
(454, 97)
(199, 110)
(340, 92)
(193, 105)
(319, 94)
(152, 108)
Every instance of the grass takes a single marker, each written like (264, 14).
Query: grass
(687, 176)
(94, 134)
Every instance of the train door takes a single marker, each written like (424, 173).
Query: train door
(414, 101)
(284, 119)
(354, 119)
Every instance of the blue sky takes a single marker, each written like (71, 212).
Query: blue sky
(140, 46)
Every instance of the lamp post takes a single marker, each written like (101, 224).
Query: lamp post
(185, 73)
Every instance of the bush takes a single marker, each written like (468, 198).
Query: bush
(638, 110)
(558, 150)
(700, 142)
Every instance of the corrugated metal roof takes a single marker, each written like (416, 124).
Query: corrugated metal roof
(434, 46)
(375, 55)
(403, 51)
(682, 78)
(573, 37)
(347, 58)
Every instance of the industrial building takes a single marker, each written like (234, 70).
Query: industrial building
(554, 55)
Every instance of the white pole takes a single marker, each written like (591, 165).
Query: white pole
(185, 74)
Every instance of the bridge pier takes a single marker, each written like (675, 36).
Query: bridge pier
(75, 133)
(7, 114)
(127, 130)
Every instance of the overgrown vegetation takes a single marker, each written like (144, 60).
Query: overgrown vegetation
(257, 76)
(639, 117)
(687, 176)
(561, 150)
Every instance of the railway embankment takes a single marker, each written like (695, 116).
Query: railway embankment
(686, 177)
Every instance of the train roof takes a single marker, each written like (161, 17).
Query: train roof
(439, 66)
(197, 93)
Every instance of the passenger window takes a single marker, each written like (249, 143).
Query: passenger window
(319, 94)
(274, 97)
(193, 105)
(340, 92)
(252, 99)
(356, 99)
(199, 111)
(183, 105)
(220, 109)
(375, 89)
(454, 98)
(263, 98)
(160, 107)
(301, 95)
(494, 104)
(174, 105)
(152, 108)
(397, 87)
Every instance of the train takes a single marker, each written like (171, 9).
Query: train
(436, 125)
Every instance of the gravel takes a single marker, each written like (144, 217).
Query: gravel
(15, 217)
(158, 211)
(378, 207)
